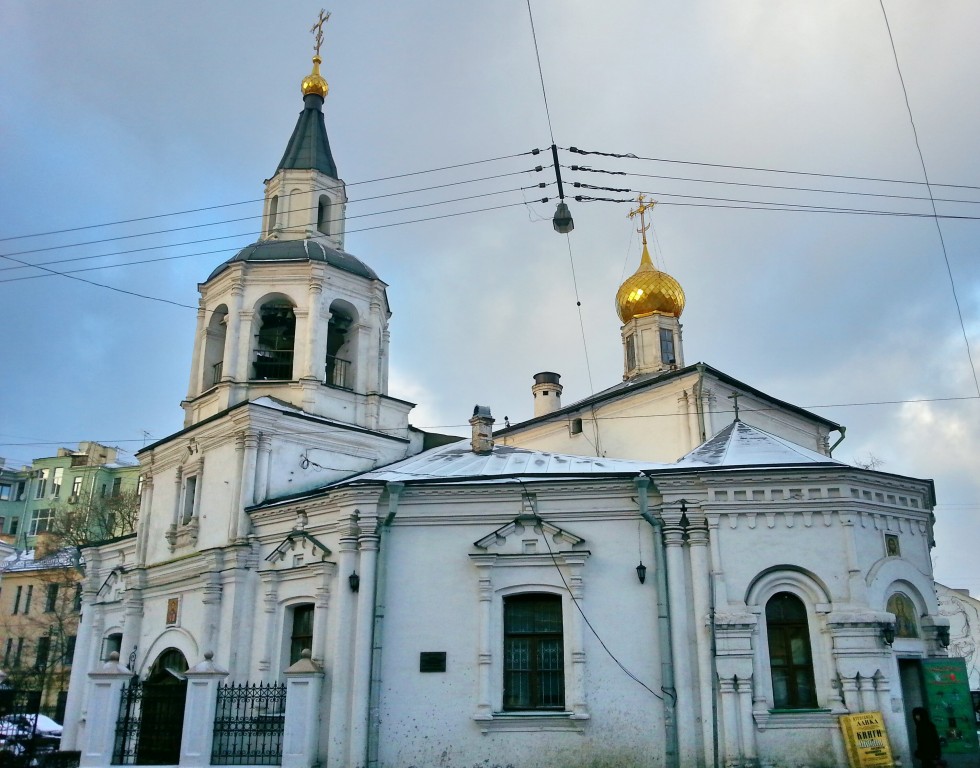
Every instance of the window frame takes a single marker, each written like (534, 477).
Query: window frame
(535, 699)
(295, 653)
(791, 636)
(43, 516)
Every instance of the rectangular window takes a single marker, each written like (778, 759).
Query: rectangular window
(70, 649)
(534, 655)
(301, 637)
(7, 653)
(43, 651)
(6, 491)
(111, 644)
(41, 520)
(139, 485)
(17, 595)
(27, 600)
(3, 523)
(59, 474)
(42, 484)
(667, 346)
(102, 490)
(190, 495)
(116, 486)
(20, 648)
(21, 490)
(76, 486)
(77, 604)
(630, 352)
(51, 599)
(14, 525)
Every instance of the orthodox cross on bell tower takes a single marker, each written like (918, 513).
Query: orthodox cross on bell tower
(640, 210)
(317, 30)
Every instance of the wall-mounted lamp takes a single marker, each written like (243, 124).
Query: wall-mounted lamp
(887, 633)
(942, 635)
(355, 581)
(641, 572)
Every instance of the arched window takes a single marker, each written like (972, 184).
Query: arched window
(323, 215)
(273, 213)
(790, 659)
(339, 348)
(275, 341)
(905, 613)
(534, 654)
(301, 632)
(214, 347)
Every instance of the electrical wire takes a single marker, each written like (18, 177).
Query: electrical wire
(816, 174)
(925, 175)
(537, 56)
(261, 199)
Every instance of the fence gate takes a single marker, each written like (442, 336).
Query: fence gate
(248, 724)
(151, 720)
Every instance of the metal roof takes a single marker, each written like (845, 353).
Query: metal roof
(308, 147)
(299, 250)
(741, 445)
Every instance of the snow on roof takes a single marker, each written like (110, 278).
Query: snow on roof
(456, 461)
(740, 445)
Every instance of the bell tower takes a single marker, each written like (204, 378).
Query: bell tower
(649, 303)
(294, 316)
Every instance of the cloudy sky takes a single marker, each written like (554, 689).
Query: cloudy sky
(114, 111)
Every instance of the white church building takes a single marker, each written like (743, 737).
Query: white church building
(529, 597)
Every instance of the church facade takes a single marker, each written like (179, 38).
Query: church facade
(719, 593)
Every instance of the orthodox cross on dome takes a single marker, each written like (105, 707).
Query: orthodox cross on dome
(641, 209)
(317, 30)
(734, 396)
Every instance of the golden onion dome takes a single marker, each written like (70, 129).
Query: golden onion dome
(649, 292)
(314, 83)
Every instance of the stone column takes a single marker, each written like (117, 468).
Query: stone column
(263, 467)
(700, 576)
(342, 657)
(101, 712)
(230, 370)
(484, 704)
(321, 606)
(866, 690)
(211, 598)
(729, 710)
(746, 720)
(199, 708)
(251, 441)
(243, 345)
(314, 363)
(88, 646)
(236, 516)
(368, 543)
(304, 681)
(143, 519)
(849, 688)
(270, 605)
(200, 340)
(132, 614)
(689, 754)
(577, 694)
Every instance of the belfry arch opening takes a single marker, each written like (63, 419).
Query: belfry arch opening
(214, 348)
(275, 341)
(273, 213)
(339, 368)
(323, 224)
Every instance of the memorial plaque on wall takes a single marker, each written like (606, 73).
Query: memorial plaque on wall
(432, 661)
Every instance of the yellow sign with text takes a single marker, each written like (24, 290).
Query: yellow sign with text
(866, 740)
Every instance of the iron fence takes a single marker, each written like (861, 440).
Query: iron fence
(150, 724)
(248, 724)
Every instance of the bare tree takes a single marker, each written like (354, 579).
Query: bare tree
(98, 519)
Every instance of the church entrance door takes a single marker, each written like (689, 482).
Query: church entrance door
(162, 716)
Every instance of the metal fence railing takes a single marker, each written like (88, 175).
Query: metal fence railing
(248, 724)
(150, 724)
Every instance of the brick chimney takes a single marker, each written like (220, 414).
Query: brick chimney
(482, 423)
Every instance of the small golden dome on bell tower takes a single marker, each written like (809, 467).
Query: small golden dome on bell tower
(314, 82)
(648, 291)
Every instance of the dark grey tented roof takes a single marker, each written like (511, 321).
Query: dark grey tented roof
(299, 250)
(308, 147)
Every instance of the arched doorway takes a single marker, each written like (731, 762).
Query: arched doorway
(162, 713)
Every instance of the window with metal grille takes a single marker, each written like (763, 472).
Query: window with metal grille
(301, 635)
(790, 659)
(534, 656)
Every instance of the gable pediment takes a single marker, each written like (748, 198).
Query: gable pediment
(298, 548)
(528, 535)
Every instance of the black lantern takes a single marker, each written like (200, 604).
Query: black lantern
(887, 633)
(641, 572)
(562, 220)
(355, 581)
(942, 635)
